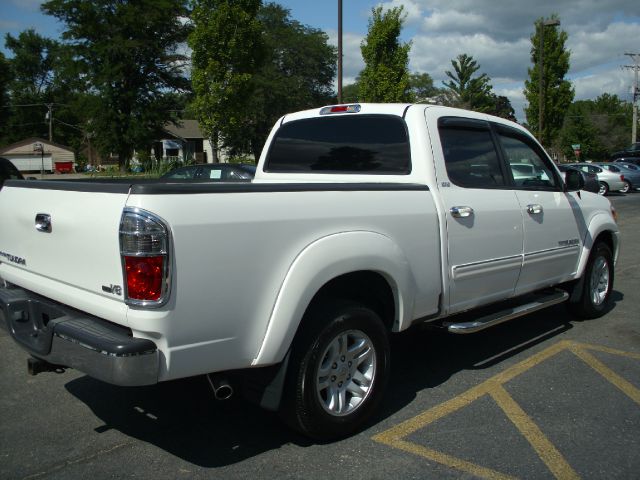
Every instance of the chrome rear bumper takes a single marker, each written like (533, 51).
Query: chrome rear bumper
(63, 336)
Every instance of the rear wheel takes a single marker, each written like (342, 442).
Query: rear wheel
(626, 188)
(597, 284)
(338, 371)
(604, 189)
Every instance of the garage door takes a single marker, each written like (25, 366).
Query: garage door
(30, 163)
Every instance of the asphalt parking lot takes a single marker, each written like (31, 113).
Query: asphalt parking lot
(545, 396)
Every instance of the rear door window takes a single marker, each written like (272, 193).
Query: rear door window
(357, 144)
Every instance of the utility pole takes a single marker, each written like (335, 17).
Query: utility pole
(636, 93)
(50, 118)
(339, 51)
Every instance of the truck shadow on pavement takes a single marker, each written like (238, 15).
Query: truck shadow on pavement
(182, 417)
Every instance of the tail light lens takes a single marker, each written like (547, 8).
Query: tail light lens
(144, 248)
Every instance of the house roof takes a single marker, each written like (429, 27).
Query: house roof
(27, 141)
(184, 129)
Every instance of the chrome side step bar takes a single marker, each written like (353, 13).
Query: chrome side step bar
(542, 301)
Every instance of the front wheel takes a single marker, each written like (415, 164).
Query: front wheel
(338, 372)
(596, 286)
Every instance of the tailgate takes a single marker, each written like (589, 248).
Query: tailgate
(81, 246)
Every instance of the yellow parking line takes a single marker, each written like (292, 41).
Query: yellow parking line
(396, 436)
(450, 461)
(612, 351)
(627, 388)
(547, 452)
(422, 420)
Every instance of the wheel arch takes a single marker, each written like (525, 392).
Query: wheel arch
(601, 228)
(362, 266)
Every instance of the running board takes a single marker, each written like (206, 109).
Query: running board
(542, 301)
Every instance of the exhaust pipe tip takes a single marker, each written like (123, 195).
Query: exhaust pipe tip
(222, 389)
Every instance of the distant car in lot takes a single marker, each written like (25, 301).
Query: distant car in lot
(630, 171)
(609, 181)
(591, 183)
(8, 171)
(632, 160)
(213, 172)
(633, 152)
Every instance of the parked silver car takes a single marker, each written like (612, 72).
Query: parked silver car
(591, 183)
(609, 181)
(630, 172)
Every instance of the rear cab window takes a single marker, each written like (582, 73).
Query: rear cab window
(351, 144)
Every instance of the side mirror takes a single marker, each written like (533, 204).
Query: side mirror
(574, 180)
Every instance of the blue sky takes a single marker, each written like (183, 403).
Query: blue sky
(18, 15)
(495, 32)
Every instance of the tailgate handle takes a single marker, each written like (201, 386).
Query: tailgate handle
(43, 222)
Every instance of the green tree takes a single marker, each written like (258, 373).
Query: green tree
(501, 107)
(351, 92)
(421, 87)
(227, 52)
(127, 53)
(612, 119)
(579, 129)
(5, 78)
(297, 73)
(385, 77)
(557, 92)
(600, 126)
(40, 75)
(468, 90)
(29, 85)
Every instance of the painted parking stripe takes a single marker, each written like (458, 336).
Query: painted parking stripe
(627, 388)
(547, 452)
(396, 436)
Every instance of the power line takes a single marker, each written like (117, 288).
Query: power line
(35, 105)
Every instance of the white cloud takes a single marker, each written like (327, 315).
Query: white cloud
(614, 81)
(498, 59)
(352, 62)
(590, 48)
(453, 20)
(411, 9)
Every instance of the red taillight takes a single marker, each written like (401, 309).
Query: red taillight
(144, 247)
(622, 177)
(144, 277)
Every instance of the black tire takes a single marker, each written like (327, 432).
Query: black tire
(593, 293)
(604, 189)
(356, 379)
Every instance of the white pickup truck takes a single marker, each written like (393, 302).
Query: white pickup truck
(362, 220)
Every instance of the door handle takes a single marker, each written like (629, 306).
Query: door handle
(461, 212)
(534, 209)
